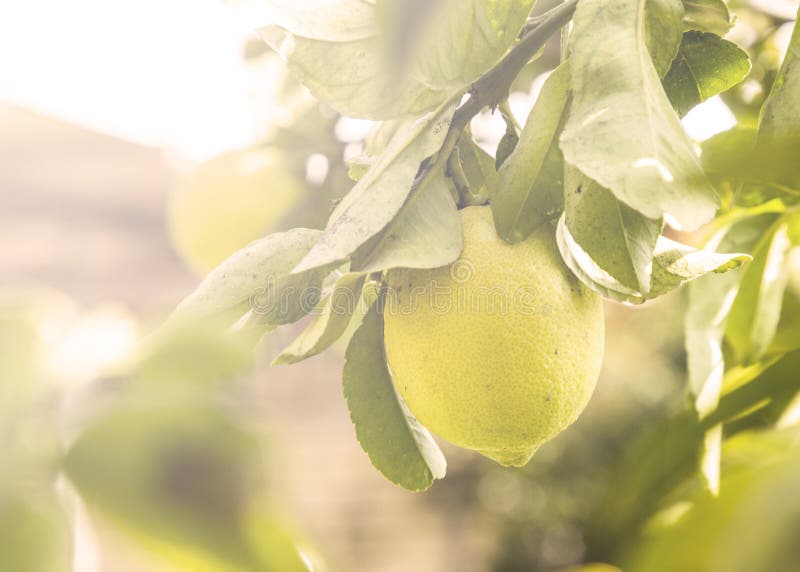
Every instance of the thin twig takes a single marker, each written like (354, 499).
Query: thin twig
(493, 86)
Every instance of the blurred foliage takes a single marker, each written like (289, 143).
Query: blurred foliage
(156, 445)
(290, 178)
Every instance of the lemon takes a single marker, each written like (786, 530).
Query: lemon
(499, 351)
(229, 201)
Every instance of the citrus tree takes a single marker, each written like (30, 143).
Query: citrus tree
(585, 201)
(468, 280)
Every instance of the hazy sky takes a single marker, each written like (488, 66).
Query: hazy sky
(166, 73)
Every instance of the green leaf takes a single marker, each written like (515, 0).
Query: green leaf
(398, 446)
(780, 115)
(478, 168)
(339, 51)
(787, 335)
(508, 142)
(705, 65)
(382, 192)
(530, 184)
(331, 318)
(746, 389)
(706, 16)
(764, 166)
(252, 279)
(622, 131)
(674, 264)
(587, 271)
(617, 238)
(662, 32)
(426, 233)
(754, 317)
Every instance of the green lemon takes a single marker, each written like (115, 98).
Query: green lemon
(229, 201)
(501, 350)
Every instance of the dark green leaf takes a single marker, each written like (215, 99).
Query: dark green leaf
(663, 29)
(618, 239)
(787, 335)
(508, 142)
(662, 457)
(398, 446)
(478, 167)
(530, 185)
(705, 65)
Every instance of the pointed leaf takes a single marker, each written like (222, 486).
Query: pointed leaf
(331, 318)
(426, 233)
(779, 123)
(588, 271)
(676, 264)
(531, 181)
(780, 114)
(622, 131)
(754, 317)
(380, 194)
(706, 65)
(478, 166)
(252, 277)
(663, 27)
(508, 142)
(619, 239)
(398, 446)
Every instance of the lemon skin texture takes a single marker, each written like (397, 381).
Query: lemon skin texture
(228, 202)
(499, 351)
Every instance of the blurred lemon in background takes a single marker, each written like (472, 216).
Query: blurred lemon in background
(229, 201)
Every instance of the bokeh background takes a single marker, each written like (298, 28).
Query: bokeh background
(110, 112)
